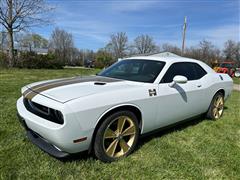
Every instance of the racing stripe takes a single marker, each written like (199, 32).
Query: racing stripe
(33, 91)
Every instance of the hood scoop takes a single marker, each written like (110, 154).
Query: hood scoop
(99, 83)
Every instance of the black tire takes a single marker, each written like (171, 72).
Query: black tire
(111, 121)
(211, 113)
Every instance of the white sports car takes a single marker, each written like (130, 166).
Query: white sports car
(107, 113)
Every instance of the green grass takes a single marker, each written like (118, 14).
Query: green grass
(236, 80)
(202, 149)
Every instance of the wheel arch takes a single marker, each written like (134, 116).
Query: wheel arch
(123, 107)
(221, 91)
(217, 91)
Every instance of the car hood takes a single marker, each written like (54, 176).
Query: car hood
(64, 90)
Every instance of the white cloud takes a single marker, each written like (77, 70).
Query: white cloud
(123, 6)
(217, 35)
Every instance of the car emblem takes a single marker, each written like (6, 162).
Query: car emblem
(152, 92)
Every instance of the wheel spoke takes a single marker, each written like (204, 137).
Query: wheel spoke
(112, 148)
(216, 102)
(215, 111)
(220, 102)
(109, 134)
(120, 125)
(220, 106)
(218, 114)
(124, 146)
(129, 131)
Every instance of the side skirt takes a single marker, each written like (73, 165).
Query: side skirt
(170, 126)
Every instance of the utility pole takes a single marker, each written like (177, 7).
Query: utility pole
(184, 35)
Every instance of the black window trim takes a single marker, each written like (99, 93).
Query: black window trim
(184, 62)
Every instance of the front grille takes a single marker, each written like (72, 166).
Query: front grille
(43, 111)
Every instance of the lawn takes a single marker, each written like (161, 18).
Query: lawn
(200, 149)
(236, 80)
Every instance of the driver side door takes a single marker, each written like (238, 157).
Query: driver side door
(180, 101)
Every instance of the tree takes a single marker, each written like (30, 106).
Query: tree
(103, 59)
(62, 44)
(171, 48)
(231, 50)
(31, 41)
(39, 41)
(205, 51)
(144, 44)
(3, 40)
(208, 52)
(17, 15)
(118, 44)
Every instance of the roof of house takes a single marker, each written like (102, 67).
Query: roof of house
(36, 50)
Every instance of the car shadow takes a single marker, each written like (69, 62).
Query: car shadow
(169, 129)
(181, 92)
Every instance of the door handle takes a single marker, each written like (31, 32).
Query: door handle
(199, 85)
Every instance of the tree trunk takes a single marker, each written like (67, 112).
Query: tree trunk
(10, 49)
(10, 35)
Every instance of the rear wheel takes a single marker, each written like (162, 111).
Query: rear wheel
(216, 108)
(117, 136)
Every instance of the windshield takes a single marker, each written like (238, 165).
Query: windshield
(134, 70)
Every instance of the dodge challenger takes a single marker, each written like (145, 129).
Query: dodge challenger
(105, 114)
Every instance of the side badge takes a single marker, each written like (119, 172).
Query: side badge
(152, 92)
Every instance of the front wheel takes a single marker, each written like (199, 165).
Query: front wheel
(216, 108)
(117, 136)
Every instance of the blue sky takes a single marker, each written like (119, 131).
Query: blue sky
(92, 22)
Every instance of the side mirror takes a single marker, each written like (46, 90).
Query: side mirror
(178, 79)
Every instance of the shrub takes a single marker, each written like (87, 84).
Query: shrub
(32, 60)
(103, 59)
(3, 60)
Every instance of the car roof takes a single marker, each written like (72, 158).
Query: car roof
(165, 59)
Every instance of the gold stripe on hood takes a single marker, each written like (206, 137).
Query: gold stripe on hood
(33, 91)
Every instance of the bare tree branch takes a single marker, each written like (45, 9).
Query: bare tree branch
(18, 15)
(144, 44)
(62, 43)
(119, 44)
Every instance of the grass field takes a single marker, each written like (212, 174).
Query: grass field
(236, 80)
(201, 149)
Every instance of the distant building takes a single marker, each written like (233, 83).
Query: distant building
(42, 51)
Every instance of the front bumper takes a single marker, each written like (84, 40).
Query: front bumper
(60, 136)
(41, 142)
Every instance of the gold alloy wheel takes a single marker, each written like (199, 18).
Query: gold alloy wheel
(119, 136)
(218, 107)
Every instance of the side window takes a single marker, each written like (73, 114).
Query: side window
(191, 71)
(199, 71)
(174, 69)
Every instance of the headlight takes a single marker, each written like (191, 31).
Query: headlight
(59, 116)
(43, 111)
